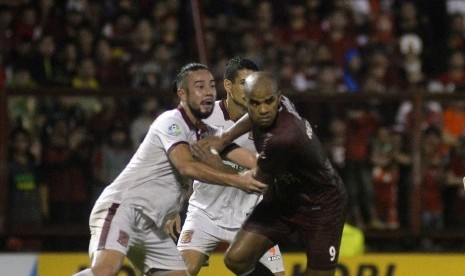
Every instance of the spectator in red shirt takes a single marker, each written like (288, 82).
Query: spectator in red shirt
(66, 166)
(431, 190)
(361, 125)
(454, 210)
(454, 78)
(296, 29)
(27, 27)
(110, 67)
(385, 177)
(338, 36)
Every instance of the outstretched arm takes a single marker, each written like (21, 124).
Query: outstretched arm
(237, 155)
(218, 143)
(182, 158)
(241, 127)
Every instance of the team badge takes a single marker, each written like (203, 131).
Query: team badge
(186, 236)
(174, 130)
(123, 238)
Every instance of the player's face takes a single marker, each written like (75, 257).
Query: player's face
(262, 105)
(201, 93)
(236, 88)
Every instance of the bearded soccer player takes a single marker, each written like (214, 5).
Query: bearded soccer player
(129, 216)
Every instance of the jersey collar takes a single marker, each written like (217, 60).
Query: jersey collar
(225, 111)
(199, 127)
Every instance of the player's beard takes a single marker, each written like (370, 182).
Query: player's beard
(198, 113)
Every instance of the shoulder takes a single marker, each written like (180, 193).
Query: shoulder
(167, 117)
(291, 130)
(287, 125)
(170, 121)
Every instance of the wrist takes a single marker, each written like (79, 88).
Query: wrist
(225, 139)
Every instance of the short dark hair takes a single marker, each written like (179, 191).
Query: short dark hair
(190, 67)
(236, 64)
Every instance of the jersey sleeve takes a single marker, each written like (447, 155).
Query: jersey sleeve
(171, 131)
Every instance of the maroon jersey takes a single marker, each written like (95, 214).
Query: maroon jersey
(306, 194)
(292, 154)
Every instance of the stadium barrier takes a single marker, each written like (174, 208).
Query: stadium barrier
(65, 264)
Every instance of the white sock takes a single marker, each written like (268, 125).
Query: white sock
(85, 272)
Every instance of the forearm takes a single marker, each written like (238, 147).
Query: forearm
(243, 157)
(202, 172)
(242, 126)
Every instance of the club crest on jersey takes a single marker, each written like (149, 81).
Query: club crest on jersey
(186, 236)
(123, 238)
(174, 130)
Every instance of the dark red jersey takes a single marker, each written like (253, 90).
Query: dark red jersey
(306, 194)
(292, 154)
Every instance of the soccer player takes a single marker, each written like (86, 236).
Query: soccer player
(128, 217)
(216, 213)
(305, 192)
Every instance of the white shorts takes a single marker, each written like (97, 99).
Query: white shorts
(201, 234)
(128, 230)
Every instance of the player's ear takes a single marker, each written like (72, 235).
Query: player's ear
(182, 94)
(227, 85)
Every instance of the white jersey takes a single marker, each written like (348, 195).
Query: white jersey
(226, 206)
(150, 182)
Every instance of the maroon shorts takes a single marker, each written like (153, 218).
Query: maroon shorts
(318, 222)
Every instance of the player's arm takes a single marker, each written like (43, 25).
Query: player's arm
(241, 156)
(182, 158)
(233, 153)
(211, 158)
(241, 127)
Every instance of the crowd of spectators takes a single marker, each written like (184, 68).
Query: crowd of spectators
(64, 150)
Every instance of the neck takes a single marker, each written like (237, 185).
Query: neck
(235, 111)
(189, 113)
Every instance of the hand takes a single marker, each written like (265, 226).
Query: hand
(249, 184)
(212, 142)
(173, 227)
(207, 156)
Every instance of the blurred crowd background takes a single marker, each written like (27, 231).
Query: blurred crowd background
(62, 151)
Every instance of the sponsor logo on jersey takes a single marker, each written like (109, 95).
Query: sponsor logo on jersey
(186, 236)
(273, 257)
(174, 130)
(123, 238)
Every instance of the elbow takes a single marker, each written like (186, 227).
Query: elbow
(186, 170)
